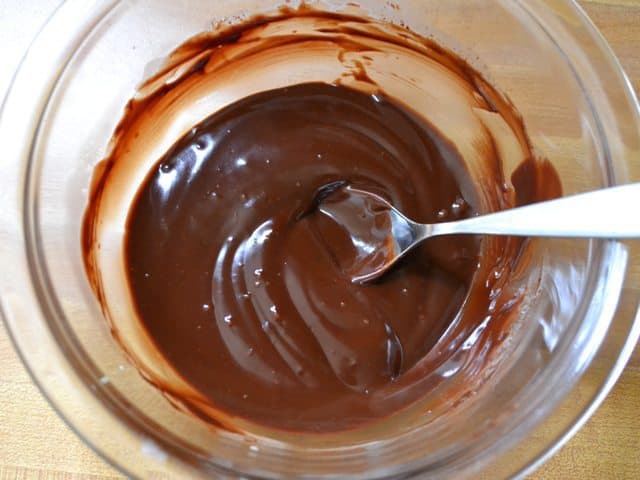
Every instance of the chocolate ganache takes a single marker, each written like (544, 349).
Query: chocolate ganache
(242, 309)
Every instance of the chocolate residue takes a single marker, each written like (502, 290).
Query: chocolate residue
(222, 290)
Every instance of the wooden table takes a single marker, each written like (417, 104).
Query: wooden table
(35, 443)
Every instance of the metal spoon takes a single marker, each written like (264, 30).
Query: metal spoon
(381, 235)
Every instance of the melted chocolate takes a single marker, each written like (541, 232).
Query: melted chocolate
(241, 294)
(226, 257)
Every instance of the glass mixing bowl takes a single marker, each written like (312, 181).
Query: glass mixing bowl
(56, 122)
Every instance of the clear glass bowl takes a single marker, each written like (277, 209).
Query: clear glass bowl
(56, 122)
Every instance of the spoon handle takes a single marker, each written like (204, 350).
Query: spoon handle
(607, 213)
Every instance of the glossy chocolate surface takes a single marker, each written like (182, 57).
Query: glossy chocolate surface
(226, 259)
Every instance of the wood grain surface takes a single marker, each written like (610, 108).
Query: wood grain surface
(36, 444)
